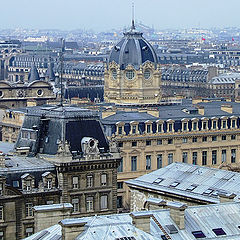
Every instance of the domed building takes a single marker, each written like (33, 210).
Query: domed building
(132, 74)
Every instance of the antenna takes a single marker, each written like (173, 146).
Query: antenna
(133, 26)
(61, 74)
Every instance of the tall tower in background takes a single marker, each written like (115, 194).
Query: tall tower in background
(132, 74)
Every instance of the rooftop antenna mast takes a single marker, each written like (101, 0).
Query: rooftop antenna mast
(61, 73)
(133, 25)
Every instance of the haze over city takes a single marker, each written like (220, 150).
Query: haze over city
(108, 14)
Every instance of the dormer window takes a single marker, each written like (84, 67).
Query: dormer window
(148, 125)
(214, 124)
(27, 182)
(120, 128)
(159, 126)
(148, 128)
(134, 126)
(194, 126)
(48, 180)
(170, 127)
(28, 185)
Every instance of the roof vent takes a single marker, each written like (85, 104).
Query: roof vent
(198, 234)
(172, 229)
(219, 231)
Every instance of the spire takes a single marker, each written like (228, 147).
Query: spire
(133, 25)
(50, 73)
(33, 75)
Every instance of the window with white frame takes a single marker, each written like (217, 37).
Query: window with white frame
(134, 129)
(104, 179)
(104, 202)
(75, 182)
(89, 181)
(1, 213)
(49, 183)
(75, 203)
(29, 209)
(159, 127)
(29, 231)
(28, 185)
(89, 204)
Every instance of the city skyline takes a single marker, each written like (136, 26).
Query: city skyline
(106, 15)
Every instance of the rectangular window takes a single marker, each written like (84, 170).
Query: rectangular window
(184, 126)
(233, 123)
(134, 129)
(119, 130)
(1, 213)
(184, 140)
(195, 126)
(148, 162)
(104, 201)
(29, 231)
(204, 139)
(214, 124)
(134, 144)
(1, 189)
(214, 138)
(119, 201)
(75, 182)
(134, 163)
(89, 204)
(184, 157)
(104, 179)
(28, 185)
(75, 203)
(2, 235)
(170, 158)
(233, 137)
(49, 183)
(224, 155)
(120, 167)
(148, 143)
(194, 139)
(120, 185)
(214, 157)
(28, 210)
(159, 142)
(120, 144)
(224, 124)
(148, 128)
(159, 128)
(224, 137)
(194, 158)
(170, 127)
(89, 181)
(159, 161)
(233, 155)
(204, 125)
(170, 141)
(204, 157)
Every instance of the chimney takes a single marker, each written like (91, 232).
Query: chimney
(200, 110)
(226, 197)
(48, 215)
(227, 108)
(154, 204)
(177, 213)
(141, 220)
(71, 228)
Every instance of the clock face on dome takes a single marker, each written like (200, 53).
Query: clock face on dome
(114, 73)
(130, 74)
(147, 74)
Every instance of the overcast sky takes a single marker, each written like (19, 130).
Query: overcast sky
(109, 14)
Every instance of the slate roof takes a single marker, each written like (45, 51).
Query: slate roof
(33, 75)
(55, 123)
(122, 116)
(203, 218)
(225, 78)
(186, 180)
(133, 49)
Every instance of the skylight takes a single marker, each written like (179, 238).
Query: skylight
(158, 180)
(198, 234)
(219, 231)
(174, 184)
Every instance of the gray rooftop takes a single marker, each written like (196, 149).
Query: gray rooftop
(186, 180)
(204, 218)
